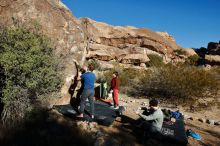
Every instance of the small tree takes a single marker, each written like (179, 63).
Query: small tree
(28, 69)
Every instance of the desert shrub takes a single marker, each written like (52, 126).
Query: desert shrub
(181, 81)
(179, 52)
(192, 60)
(95, 63)
(128, 78)
(28, 69)
(155, 61)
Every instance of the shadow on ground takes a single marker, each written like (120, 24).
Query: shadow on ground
(45, 128)
(131, 134)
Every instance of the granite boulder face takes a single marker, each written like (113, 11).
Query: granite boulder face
(56, 21)
(213, 48)
(126, 44)
(213, 53)
(77, 40)
(212, 59)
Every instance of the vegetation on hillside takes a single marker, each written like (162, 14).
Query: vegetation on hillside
(155, 60)
(193, 60)
(179, 82)
(28, 70)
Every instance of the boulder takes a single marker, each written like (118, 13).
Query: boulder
(167, 36)
(217, 123)
(213, 59)
(103, 52)
(214, 48)
(105, 65)
(202, 120)
(129, 39)
(211, 122)
(55, 20)
(76, 40)
(188, 52)
(134, 59)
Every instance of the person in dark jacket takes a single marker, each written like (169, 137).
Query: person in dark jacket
(114, 89)
(79, 93)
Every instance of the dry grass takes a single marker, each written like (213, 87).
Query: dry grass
(181, 83)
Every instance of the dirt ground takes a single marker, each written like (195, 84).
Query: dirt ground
(123, 128)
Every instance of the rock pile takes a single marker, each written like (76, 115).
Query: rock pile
(202, 120)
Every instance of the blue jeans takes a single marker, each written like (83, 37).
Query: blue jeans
(87, 93)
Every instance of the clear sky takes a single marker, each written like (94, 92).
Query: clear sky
(193, 23)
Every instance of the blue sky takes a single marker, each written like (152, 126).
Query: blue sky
(193, 23)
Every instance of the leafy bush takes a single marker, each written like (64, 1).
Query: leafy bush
(155, 61)
(28, 67)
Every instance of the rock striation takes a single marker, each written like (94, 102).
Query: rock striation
(128, 45)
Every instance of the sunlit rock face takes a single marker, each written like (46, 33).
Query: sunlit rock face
(76, 40)
(109, 42)
(54, 19)
(214, 48)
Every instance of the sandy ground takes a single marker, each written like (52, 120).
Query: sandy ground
(123, 126)
(210, 134)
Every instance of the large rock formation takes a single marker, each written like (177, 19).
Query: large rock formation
(55, 20)
(85, 38)
(214, 48)
(209, 55)
(188, 52)
(127, 44)
(213, 51)
(212, 59)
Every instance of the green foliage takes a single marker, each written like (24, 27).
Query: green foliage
(155, 61)
(192, 60)
(28, 64)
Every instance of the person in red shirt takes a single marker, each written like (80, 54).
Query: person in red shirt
(114, 88)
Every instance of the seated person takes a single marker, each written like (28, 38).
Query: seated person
(153, 120)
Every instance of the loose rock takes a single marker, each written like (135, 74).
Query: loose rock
(202, 120)
(211, 122)
(217, 123)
